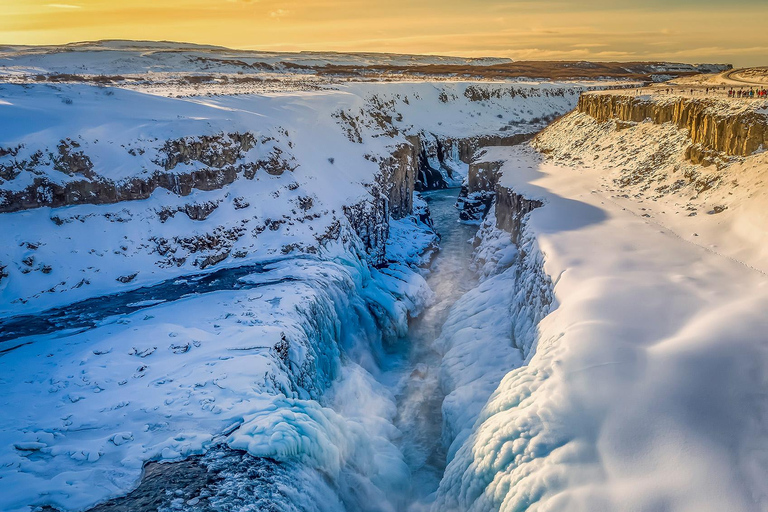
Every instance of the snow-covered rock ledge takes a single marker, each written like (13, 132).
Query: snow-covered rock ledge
(642, 390)
(714, 126)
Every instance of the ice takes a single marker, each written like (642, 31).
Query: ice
(165, 381)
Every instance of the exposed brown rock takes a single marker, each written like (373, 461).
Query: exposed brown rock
(711, 129)
(223, 155)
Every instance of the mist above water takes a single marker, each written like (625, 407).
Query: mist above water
(414, 376)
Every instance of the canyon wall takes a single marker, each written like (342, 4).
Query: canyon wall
(714, 126)
(511, 209)
(438, 154)
(204, 163)
(481, 190)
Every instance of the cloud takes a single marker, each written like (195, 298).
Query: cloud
(63, 6)
(279, 13)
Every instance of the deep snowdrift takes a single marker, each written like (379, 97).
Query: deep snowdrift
(644, 390)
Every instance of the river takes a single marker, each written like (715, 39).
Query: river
(416, 366)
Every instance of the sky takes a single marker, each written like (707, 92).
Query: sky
(726, 31)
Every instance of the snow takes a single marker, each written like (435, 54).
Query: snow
(164, 382)
(611, 357)
(88, 248)
(282, 362)
(643, 389)
(133, 57)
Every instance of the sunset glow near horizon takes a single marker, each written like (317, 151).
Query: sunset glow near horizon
(598, 30)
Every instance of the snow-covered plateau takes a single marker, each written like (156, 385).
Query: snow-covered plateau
(220, 302)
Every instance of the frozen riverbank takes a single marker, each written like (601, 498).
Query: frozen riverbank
(643, 390)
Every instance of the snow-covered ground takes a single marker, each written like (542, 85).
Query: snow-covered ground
(645, 389)
(85, 409)
(281, 362)
(332, 140)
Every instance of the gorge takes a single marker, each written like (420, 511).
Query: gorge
(381, 296)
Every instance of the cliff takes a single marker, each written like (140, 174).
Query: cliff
(511, 209)
(714, 126)
(439, 155)
(480, 189)
(206, 162)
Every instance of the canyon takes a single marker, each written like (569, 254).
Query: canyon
(381, 296)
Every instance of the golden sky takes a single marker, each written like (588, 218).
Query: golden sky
(733, 31)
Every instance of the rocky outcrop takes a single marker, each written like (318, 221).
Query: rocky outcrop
(712, 125)
(392, 195)
(478, 192)
(397, 179)
(483, 190)
(216, 151)
(437, 151)
(223, 159)
(511, 209)
(480, 188)
(370, 221)
(44, 192)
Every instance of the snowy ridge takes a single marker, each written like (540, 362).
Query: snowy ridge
(134, 57)
(641, 392)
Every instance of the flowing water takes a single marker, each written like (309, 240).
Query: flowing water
(419, 396)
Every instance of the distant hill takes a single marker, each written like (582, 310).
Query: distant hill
(119, 57)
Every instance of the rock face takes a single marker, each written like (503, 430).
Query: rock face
(468, 146)
(712, 127)
(43, 192)
(480, 189)
(392, 194)
(437, 151)
(212, 150)
(511, 209)
(398, 177)
(483, 190)
(223, 158)
(478, 193)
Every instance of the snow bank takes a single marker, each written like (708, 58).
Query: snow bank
(642, 167)
(642, 391)
(492, 329)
